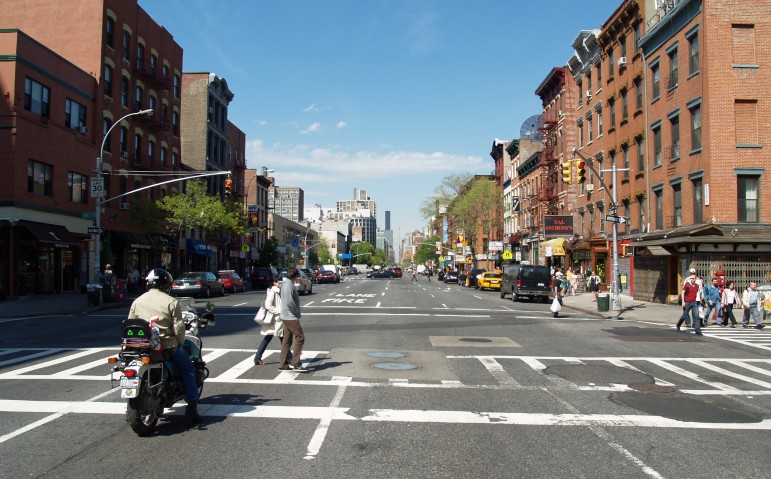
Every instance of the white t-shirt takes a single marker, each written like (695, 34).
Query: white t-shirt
(730, 296)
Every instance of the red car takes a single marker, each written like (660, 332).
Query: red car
(399, 272)
(232, 281)
(326, 276)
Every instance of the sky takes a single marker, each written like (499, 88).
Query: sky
(388, 96)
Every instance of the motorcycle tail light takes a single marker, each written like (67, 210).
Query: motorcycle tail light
(112, 360)
(145, 360)
(130, 373)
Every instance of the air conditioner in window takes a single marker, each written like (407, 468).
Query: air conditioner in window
(622, 61)
(124, 154)
(125, 206)
(588, 94)
(590, 187)
(83, 129)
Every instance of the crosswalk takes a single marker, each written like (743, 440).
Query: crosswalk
(746, 336)
(698, 376)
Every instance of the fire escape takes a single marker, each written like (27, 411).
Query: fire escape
(548, 167)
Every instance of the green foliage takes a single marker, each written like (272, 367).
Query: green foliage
(445, 193)
(197, 209)
(364, 248)
(426, 252)
(325, 256)
(269, 252)
(477, 209)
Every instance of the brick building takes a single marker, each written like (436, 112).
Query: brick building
(76, 70)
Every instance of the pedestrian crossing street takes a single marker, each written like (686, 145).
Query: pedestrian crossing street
(698, 376)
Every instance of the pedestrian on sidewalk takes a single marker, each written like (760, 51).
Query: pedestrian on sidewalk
(691, 297)
(293, 331)
(711, 296)
(592, 284)
(752, 299)
(572, 281)
(729, 298)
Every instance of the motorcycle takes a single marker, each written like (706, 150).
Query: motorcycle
(146, 373)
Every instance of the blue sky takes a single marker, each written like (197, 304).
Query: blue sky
(384, 95)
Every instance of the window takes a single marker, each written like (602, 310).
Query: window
(693, 60)
(678, 204)
(611, 62)
(37, 98)
(109, 32)
(698, 202)
(77, 188)
(74, 115)
(589, 129)
(589, 82)
(105, 128)
(656, 79)
(599, 123)
(580, 95)
(673, 69)
(637, 35)
(638, 93)
(696, 127)
(622, 45)
(627, 214)
(39, 178)
(123, 185)
(674, 123)
(126, 44)
(175, 123)
(625, 151)
(748, 195)
(139, 97)
(124, 92)
(612, 112)
(163, 156)
(580, 134)
(165, 72)
(150, 152)
(657, 146)
(640, 154)
(174, 160)
(641, 212)
(138, 149)
(107, 80)
(140, 56)
(152, 103)
(124, 141)
(624, 104)
(659, 209)
(599, 75)
(176, 86)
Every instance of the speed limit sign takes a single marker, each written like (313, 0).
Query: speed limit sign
(97, 187)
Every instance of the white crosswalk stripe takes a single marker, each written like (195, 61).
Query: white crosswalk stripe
(748, 337)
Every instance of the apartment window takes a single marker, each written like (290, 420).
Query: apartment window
(176, 86)
(674, 123)
(624, 104)
(105, 128)
(174, 160)
(612, 113)
(123, 185)
(163, 156)
(657, 145)
(140, 55)
(627, 214)
(599, 123)
(638, 93)
(74, 114)
(673, 69)
(641, 212)
(37, 98)
(175, 123)
(164, 112)
(637, 35)
(107, 80)
(640, 154)
(152, 103)
(622, 46)
(589, 82)
(589, 129)
(677, 199)
(165, 71)
(698, 201)
(611, 63)
(625, 151)
(695, 127)
(123, 141)
(659, 209)
(109, 32)
(656, 79)
(77, 188)
(138, 148)
(580, 134)
(693, 54)
(139, 98)
(150, 152)
(599, 75)
(748, 194)
(153, 63)
(126, 44)
(580, 94)
(124, 92)
(39, 178)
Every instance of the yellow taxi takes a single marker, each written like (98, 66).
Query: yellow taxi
(489, 281)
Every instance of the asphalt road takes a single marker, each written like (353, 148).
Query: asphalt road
(408, 380)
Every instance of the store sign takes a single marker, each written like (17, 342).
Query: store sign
(557, 226)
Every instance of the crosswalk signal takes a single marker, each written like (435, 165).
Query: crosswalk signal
(228, 187)
(580, 171)
(567, 172)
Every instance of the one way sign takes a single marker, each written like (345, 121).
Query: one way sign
(615, 219)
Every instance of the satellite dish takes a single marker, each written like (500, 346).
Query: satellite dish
(530, 129)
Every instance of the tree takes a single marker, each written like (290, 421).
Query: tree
(325, 256)
(269, 252)
(362, 252)
(478, 209)
(445, 193)
(426, 251)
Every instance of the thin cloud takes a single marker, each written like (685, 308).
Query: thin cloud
(422, 32)
(313, 128)
(341, 124)
(311, 108)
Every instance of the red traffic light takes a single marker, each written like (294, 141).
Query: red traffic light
(582, 164)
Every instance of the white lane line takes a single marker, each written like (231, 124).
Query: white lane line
(477, 297)
(382, 294)
(239, 304)
(46, 364)
(46, 352)
(306, 305)
(496, 371)
(101, 362)
(433, 296)
(728, 373)
(238, 369)
(378, 304)
(317, 440)
(444, 306)
(693, 376)
(755, 369)
(402, 314)
(625, 365)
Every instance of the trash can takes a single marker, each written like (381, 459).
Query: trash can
(120, 290)
(603, 302)
(94, 292)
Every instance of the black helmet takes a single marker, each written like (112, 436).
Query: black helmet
(160, 279)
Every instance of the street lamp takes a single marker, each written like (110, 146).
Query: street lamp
(98, 178)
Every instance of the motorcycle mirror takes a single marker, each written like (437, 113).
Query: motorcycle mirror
(208, 318)
(209, 306)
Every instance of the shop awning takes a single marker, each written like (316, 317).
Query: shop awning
(131, 240)
(53, 234)
(199, 247)
(553, 247)
(162, 240)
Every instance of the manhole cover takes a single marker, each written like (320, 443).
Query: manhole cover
(476, 340)
(394, 366)
(387, 355)
(653, 388)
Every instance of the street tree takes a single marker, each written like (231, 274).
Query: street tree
(426, 251)
(269, 252)
(362, 252)
(477, 210)
(444, 194)
(325, 256)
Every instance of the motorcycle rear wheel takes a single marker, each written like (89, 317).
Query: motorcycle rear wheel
(142, 424)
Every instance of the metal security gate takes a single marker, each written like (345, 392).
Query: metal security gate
(650, 278)
(740, 269)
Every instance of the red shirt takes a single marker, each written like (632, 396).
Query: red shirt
(690, 291)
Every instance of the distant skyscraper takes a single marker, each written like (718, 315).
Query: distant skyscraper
(388, 220)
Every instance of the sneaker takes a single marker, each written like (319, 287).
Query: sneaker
(298, 369)
(760, 326)
(733, 325)
(745, 326)
(284, 368)
(698, 333)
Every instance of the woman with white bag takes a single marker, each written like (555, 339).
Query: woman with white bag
(269, 318)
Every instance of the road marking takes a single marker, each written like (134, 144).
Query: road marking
(693, 376)
(496, 370)
(239, 304)
(321, 430)
(306, 305)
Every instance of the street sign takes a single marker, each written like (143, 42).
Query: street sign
(97, 187)
(615, 219)
(93, 230)
(507, 255)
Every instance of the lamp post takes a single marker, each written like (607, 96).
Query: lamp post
(98, 178)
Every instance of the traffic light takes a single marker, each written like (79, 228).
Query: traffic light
(567, 172)
(228, 187)
(580, 171)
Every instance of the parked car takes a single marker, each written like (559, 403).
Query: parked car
(381, 273)
(303, 283)
(399, 272)
(450, 277)
(327, 276)
(232, 281)
(473, 276)
(263, 276)
(489, 281)
(310, 274)
(198, 284)
(528, 280)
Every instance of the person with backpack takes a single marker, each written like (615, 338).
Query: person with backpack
(592, 284)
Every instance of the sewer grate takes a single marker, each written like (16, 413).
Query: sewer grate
(476, 340)
(395, 366)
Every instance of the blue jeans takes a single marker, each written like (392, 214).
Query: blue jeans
(691, 308)
(752, 309)
(186, 372)
(263, 346)
(708, 310)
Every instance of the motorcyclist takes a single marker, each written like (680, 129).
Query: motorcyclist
(157, 303)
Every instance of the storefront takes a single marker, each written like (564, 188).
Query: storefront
(200, 256)
(553, 251)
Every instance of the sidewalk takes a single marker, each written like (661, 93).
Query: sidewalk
(59, 303)
(631, 309)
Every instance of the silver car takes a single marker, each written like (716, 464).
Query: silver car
(303, 282)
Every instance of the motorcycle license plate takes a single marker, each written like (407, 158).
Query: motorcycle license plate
(129, 387)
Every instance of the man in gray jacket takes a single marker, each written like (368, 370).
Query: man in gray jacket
(293, 332)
